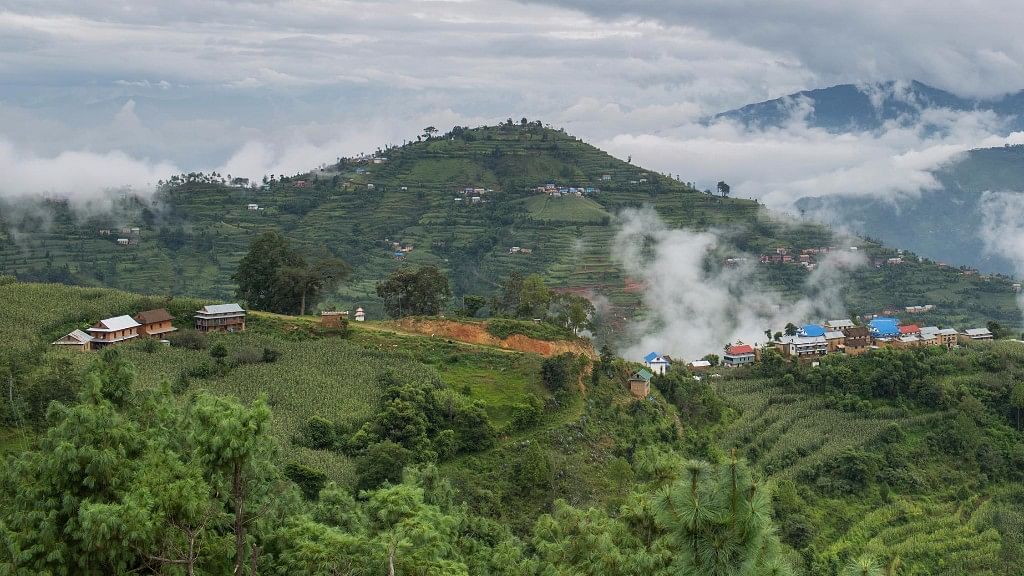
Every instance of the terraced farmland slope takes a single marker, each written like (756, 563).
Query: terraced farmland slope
(192, 234)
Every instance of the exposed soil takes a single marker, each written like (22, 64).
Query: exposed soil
(476, 333)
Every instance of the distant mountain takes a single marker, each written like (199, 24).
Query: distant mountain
(944, 224)
(850, 107)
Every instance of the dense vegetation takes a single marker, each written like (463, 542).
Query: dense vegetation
(361, 448)
(196, 230)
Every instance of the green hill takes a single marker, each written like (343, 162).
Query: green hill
(193, 233)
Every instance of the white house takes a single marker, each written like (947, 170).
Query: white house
(252, 206)
(978, 334)
(657, 363)
(360, 315)
(122, 241)
(699, 365)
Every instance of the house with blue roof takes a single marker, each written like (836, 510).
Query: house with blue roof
(884, 327)
(812, 331)
(658, 363)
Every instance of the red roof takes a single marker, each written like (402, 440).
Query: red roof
(740, 349)
(909, 329)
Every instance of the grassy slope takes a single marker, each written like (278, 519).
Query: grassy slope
(191, 242)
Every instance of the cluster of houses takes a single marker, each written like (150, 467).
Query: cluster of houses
(812, 341)
(556, 191)
(155, 323)
(473, 194)
(128, 236)
(807, 257)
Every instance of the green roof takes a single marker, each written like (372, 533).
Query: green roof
(641, 373)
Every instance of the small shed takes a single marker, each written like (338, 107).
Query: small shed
(333, 319)
(640, 383)
(76, 339)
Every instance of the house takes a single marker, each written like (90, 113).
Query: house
(360, 315)
(105, 232)
(220, 318)
(113, 330)
(155, 322)
(404, 188)
(299, 184)
(947, 337)
(252, 206)
(379, 160)
(370, 186)
(856, 340)
(77, 339)
(332, 319)
(606, 177)
(803, 347)
(135, 231)
(699, 365)
(526, 250)
(884, 327)
(930, 336)
(640, 383)
(475, 199)
(835, 340)
(514, 250)
(908, 341)
(977, 334)
(398, 254)
(122, 241)
(657, 363)
(839, 324)
(738, 355)
(812, 330)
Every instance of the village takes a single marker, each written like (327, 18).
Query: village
(811, 342)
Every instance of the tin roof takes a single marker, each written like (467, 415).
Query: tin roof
(114, 324)
(220, 309)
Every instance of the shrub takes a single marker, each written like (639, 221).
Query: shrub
(381, 462)
(309, 481)
(149, 345)
(188, 339)
(245, 356)
(319, 434)
(270, 355)
(218, 351)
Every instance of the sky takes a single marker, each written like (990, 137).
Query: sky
(96, 93)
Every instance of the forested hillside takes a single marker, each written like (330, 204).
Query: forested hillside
(195, 230)
(364, 447)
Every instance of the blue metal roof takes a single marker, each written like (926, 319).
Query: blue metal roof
(651, 356)
(812, 330)
(882, 326)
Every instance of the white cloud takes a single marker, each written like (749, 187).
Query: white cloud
(76, 174)
(693, 311)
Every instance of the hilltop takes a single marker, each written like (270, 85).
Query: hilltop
(408, 205)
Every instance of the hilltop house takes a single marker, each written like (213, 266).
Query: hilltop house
(856, 340)
(801, 347)
(332, 319)
(839, 324)
(835, 341)
(812, 330)
(699, 365)
(113, 330)
(640, 383)
(657, 363)
(155, 322)
(977, 334)
(360, 315)
(738, 355)
(884, 328)
(220, 318)
(78, 339)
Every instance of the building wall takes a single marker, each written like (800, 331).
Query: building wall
(639, 388)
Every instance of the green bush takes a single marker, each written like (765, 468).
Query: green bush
(188, 339)
(309, 481)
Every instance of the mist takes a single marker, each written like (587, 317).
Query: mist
(694, 305)
(1002, 229)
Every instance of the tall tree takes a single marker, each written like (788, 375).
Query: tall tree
(723, 188)
(277, 278)
(421, 292)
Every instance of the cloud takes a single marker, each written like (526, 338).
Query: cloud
(968, 50)
(782, 165)
(1002, 230)
(76, 174)
(694, 306)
